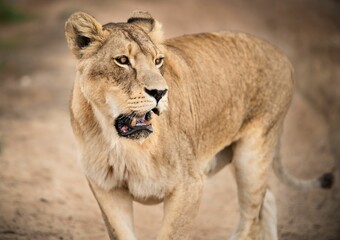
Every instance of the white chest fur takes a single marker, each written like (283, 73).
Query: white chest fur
(127, 166)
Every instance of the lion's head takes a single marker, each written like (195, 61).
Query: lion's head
(120, 68)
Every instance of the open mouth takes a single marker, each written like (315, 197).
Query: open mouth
(133, 126)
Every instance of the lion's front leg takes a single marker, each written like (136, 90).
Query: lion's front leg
(116, 208)
(180, 210)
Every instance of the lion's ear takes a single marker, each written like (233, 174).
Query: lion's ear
(151, 26)
(84, 34)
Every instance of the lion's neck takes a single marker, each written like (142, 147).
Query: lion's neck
(106, 158)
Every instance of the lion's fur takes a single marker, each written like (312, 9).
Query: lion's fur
(224, 88)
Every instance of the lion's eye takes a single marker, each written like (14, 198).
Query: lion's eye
(159, 61)
(124, 60)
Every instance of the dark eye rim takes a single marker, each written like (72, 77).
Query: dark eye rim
(119, 60)
(161, 59)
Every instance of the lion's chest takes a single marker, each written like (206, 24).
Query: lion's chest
(146, 190)
(143, 179)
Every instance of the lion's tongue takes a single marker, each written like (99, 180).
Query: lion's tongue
(125, 129)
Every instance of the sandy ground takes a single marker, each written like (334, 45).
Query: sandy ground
(43, 194)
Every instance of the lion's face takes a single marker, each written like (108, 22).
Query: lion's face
(120, 71)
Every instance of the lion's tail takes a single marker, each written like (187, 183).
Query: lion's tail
(324, 181)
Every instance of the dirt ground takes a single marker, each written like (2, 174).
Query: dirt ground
(43, 193)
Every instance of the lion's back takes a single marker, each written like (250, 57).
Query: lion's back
(232, 75)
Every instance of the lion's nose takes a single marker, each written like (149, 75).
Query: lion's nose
(157, 94)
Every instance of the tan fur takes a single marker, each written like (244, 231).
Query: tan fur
(227, 96)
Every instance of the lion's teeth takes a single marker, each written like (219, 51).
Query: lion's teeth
(133, 122)
(147, 122)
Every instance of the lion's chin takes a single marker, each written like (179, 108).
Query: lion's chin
(134, 126)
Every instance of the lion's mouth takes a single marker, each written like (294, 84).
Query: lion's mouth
(132, 125)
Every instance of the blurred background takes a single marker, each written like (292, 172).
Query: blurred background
(43, 193)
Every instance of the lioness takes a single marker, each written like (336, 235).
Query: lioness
(154, 118)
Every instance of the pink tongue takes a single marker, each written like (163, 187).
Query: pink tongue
(125, 129)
